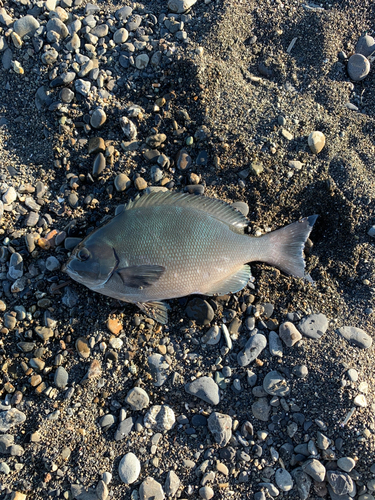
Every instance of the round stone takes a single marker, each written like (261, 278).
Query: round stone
(275, 384)
(212, 336)
(283, 480)
(204, 388)
(120, 36)
(26, 25)
(129, 468)
(200, 311)
(137, 398)
(159, 418)
(316, 141)
(66, 95)
(206, 492)
(358, 67)
(52, 264)
(98, 118)
(220, 426)
(261, 409)
(61, 377)
(140, 183)
(365, 45)
(346, 463)
(289, 334)
(141, 61)
(122, 182)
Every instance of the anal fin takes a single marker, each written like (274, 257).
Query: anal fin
(156, 310)
(231, 284)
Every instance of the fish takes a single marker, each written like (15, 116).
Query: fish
(165, 245)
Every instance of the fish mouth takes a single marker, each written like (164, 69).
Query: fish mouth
(66, 268)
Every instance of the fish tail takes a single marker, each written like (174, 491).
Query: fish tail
(284, 247)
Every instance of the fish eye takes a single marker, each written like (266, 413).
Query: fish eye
(83, 254)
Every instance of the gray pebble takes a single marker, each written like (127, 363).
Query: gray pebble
(141, 61)
(340, 482)
(4, 468)
(137, 398)
(251, 378)
(355, 336)
(151, 490)
(220, 426)
(159, 369)
(172, 483)
(352, 375)
(212, 336)
(275, 345)
(300, 371)
(10, 321)
(159, 418)
(303, 483)
(61, 377)
(358, 67)
(82, 87)
(365, 45)
(123, 13)
(73, 200)
(122, 182)
(52, 264)
(6, 442)
(204, 388)
(346, 464)
(9, 196)
(180, 6)
(26, 25)
(98, 118)
(261, 409)
(254, 346)
(206, 492)
(200, 311)
(275, 384)
(15, 266)
(10, 418)
(124, 429)
(283, 480)
(371, 232)
(260, 495)
(271, 488)
(107, 421)
(313, 326)
(314, 469)
(129, 468)
(99, 165)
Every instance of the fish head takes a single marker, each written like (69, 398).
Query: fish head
(92, 262)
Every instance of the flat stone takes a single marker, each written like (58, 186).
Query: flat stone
(313, 326)
(122, 182)
(128, 127)
(220, 426)
(26, 25)
(98, 118)
(358, 67)
(275, 384)
(98, 165)
(365, 45)
(340, 482)
(316, 141)
(289, 334)
(82, 347)
(172, 483)
(140, 183)
(137, 398)
(261, 409)
(82, 87)
(275, 344)
(346, 464)
(204, 388)
(356, 336)
(151, 490)
(61, 377)
(212, 336)
(303, 483)
(314, 469)
(283, 480)
(159, 418)
(159, 369)
(96, 145)
(124, 429)
(254, 346)
(10, 418)
(200, 311)
(180, 6)
(129, 468)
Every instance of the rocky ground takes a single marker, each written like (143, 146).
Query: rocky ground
(267, 393)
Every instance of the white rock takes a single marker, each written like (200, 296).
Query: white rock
(129, 468)
(180, 6)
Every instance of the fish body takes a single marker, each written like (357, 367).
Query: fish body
(168, 245)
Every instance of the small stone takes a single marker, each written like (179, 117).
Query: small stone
(341, 483)
(159, 418)
(283, 480)
(303, 483)
(314, 469)
(261, 409)
(256, 168)
(180, 6)
(151, 490)
(356, 336)
(183, 160)
(98, 118)
(114, 326)
(206, 492)
(124, 429)
(82, 347)
(159, 369)
(220, 426)
(9, 196)
(254, 346)
(129, 468)
(316, 141)
(200, 311)
(10, 418)
(10, 321)
(313, 326)
(358, 67)
(172, 483)
(346, 464)
(204, 388)
(52, 264)
(275, 345)
(365, 45)
(122, 182)
(360, 401)
(96, 145)
(26, 25)
(212, 336)
(120, 36)
(297, 165)
(73, 200)
(371, 232)
(99, 165)
(275, 384)
(101, 491)
(128, 127)
(289, 334)
(44, 332)
(140, 183)
(156, 140)
(137, 398)
(285, 133)
(82, 87)
(61, 377)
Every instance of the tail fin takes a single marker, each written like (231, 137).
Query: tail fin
(284, 247)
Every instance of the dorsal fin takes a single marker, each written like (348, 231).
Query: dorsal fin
(217, 208)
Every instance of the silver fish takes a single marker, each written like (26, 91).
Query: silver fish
(165, 245)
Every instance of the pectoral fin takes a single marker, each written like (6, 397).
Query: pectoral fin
(155, 310)
(140, 276)
(231, 284)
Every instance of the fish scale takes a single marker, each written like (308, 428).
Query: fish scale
(168, 245)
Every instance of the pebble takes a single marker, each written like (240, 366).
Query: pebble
(98, 118)
(82, 347)
(346, 464)
(220, 426)
(124, 429)
(96, 145)
(10, 321)
(371, 232)
(122, 182)
(159, 369)
(140, 183)
(52, 264)
(261, 409)
(98, 165)
(9, 196)
(340, 482)
(128, 127)
(313, 326)
(316, 141)
(129, 468)
(204, 388)
(180, 6)
(360, 401)
(26, 25)
(358, 67)
(275, 345)
(159, 418)
(289, 334)
(172, 483)
(303, 483)
(356, 336)
(200, 311)
(61, 378)
(254, 346)
(365, 45)
(283, 480)
(206, 492)
(315, 469)
(212, 336)
(10, 418)
(137, 398)
(275, 384)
